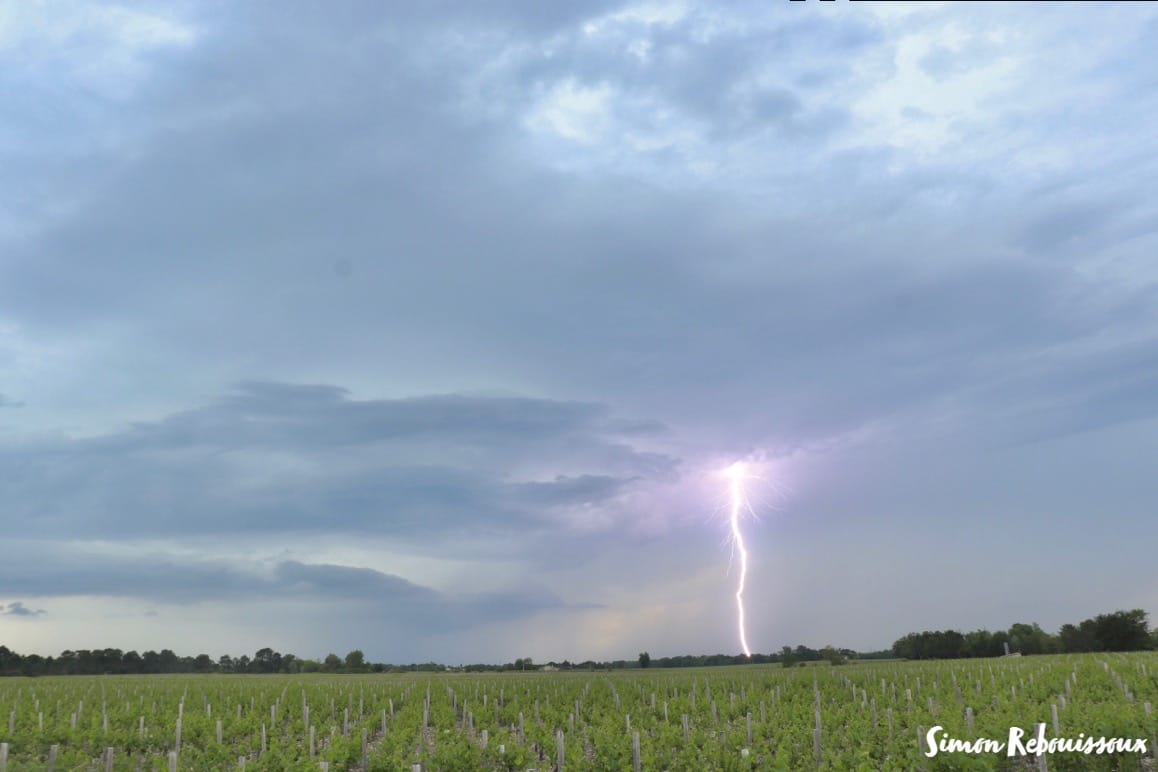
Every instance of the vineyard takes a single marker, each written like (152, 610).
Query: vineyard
(867, 716)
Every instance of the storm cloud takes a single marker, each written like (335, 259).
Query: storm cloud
(451, 314)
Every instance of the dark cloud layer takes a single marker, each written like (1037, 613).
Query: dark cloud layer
(18, 609)
(276, 458)
(56, 572)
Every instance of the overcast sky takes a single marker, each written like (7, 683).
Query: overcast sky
(427, 328)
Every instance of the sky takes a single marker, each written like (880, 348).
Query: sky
(427, 329)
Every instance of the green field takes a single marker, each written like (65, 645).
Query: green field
(870, 716)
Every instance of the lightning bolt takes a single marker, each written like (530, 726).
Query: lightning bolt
(737, 472)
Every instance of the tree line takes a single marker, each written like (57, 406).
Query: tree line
(1118, 631)
(118, 662)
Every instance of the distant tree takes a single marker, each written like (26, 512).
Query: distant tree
(833, 655)
(805, 654)
(267, 661)
(644, 659)
(1122, 630)
(11, 663)
(906, 647)
(978, 643)
(332, 662)
(108, 661)
(788, 657)
(34, 664)
(202, 663)
(131, 662)
(170, 662)
(930, 644)
(355, 660)
(1078, 638)
(1029, 639)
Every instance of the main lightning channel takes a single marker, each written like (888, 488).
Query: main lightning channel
(737, 471)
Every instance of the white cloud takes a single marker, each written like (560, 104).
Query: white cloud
(921, 114)
(101, 49)
(643, 14)
(578, 113)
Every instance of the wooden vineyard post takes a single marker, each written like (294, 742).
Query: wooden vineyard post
(108, 754)
(365, 748)
(172, 761)
(635, 752)
(1039, 731)
(3, 757)
(313, 733)
(816, 737)
(969, 718)
(749, 728)
(684, 718)
(52, 754)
